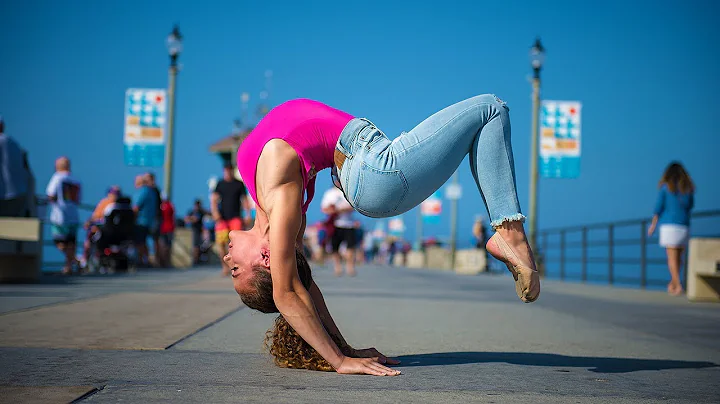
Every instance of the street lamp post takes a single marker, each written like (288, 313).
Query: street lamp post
(174, 45)
(537, 56)
(453, 218)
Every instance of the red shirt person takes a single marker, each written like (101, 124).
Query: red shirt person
(167, 230)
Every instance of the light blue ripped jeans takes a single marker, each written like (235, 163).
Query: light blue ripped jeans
(383, 178)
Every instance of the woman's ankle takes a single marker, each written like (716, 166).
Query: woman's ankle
(512, 232)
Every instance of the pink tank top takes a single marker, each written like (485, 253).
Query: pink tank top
(309, 127)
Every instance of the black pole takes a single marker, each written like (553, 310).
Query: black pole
(562, 254)
(544, 255)
(584, 254)
(611, 258)
(643, 255)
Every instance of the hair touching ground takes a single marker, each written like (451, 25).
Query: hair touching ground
(286, 346)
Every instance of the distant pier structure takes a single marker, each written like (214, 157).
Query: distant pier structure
(226, 148)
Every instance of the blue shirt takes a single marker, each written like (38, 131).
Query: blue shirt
(198, 214)
(13, 174)
(673, 208)
(146, 201)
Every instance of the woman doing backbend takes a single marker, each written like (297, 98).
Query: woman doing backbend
(380, 177)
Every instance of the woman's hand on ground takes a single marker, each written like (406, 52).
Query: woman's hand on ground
(373, 353)
(365, 366)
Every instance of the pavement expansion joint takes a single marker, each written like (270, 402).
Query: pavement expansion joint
(206, 326)
(88, 394)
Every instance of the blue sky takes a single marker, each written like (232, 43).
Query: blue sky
(645, 71)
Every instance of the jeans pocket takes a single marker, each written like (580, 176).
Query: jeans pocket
(379, 193)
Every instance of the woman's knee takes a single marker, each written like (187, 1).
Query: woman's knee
(500, 102)
(490, 99)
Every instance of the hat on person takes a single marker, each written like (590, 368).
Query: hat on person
(114, 190)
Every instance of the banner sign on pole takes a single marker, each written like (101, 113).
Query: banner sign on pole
(431, 208)
(379, 231)
(453, 192)
(560, 139)
(145, 117)
(396, 226)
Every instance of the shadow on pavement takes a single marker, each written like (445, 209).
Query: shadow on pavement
(56, 278)
(45, 279)
(593, 364)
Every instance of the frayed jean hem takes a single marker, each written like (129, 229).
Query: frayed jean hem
(518, 217)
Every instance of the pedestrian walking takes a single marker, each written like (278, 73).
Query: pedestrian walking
(63, 193)
(344, 233)
(167, 232)
(194, 218)
(672, 215)
(154, 230)
(145, 205)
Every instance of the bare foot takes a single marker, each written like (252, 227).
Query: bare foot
(675, 289)
(510, 246)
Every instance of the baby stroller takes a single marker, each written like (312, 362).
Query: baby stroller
(114, 248)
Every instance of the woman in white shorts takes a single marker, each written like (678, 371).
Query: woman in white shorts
(672, 213)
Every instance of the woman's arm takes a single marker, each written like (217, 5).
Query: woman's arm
(659, 208)
(291, 298)
(651, 229)
(660, 202)
(333, 329)
(214, 199)
(301, 233)
(324, 313)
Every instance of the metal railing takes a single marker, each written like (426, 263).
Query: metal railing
(614, 252)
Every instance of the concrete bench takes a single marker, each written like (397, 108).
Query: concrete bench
(467, 261)
(704, 269)
(470, 261)
(181, 254)
(438, 258)
(21, 246)
(415, 259)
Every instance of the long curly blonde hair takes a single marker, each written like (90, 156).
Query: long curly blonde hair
(289, 350)
(286, 346)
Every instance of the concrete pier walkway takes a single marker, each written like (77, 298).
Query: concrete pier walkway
(183, 336)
